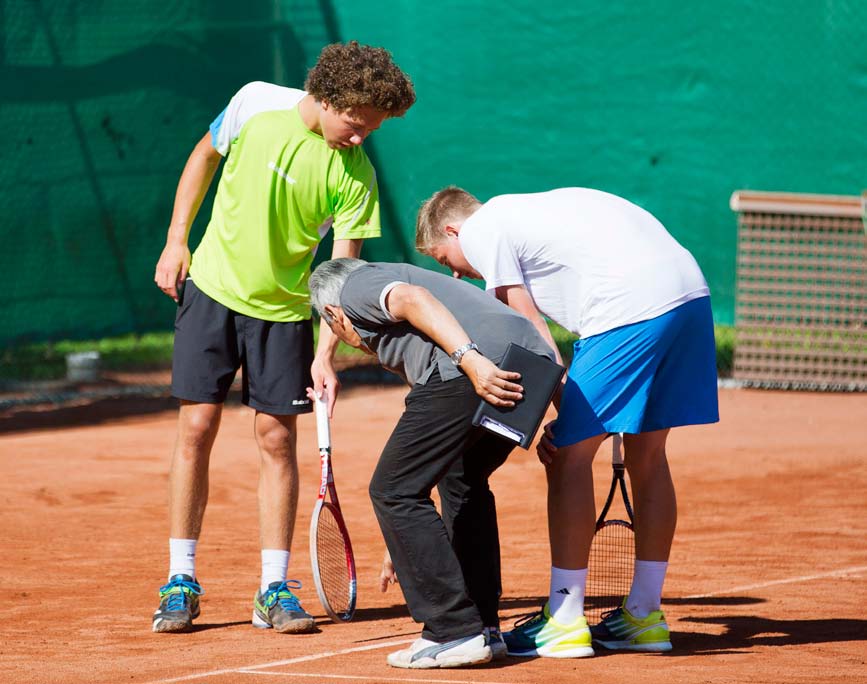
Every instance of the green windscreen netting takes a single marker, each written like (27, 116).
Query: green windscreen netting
(673, 108)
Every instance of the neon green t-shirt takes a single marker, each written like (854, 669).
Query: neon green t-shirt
(280, 188)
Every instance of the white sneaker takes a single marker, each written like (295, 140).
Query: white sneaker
(495, 641)
(425, 654)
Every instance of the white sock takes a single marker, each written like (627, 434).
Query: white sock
(566, 597)
(646, 593)
(182, 557)
(275, 565)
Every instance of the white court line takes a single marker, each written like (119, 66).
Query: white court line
(277, 663)
(792, 580)
(371, 678)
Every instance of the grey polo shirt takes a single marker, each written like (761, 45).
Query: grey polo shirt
(409, 353)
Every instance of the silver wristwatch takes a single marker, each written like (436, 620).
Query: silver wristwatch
(458, 353)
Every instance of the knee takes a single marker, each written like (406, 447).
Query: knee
(198, 427)
(276, 439)
(380, 494)
(570, 465)
(389, 498)
(644, 464)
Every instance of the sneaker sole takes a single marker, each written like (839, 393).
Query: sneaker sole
(479, 657)
(548, 652)
(303, 626)
(161, 625)
(655, 647)
(499, 651)
(554, 651)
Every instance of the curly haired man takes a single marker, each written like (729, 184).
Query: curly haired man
(294, 168)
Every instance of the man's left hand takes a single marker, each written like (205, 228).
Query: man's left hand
(495, 386)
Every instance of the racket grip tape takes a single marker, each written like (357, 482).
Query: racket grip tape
(323, 426)
(616, 448)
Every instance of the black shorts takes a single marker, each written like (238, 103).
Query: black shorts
(212, 342)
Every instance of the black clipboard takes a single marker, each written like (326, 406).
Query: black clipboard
(539, 377)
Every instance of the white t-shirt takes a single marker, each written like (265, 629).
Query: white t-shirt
(254, 98)
(592, 261)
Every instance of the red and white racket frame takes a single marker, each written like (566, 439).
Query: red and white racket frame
(326, 487)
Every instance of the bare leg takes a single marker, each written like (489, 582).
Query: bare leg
(188, 475)
(571, 508)
(652, 493)
(278, 479)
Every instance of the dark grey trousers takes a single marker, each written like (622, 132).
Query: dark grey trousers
(448, 567)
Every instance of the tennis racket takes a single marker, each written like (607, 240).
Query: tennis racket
(330, 548)
(612, 553)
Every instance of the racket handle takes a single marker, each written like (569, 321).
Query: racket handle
(323, 427)
(616, 452)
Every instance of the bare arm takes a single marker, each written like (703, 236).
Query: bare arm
(428, 315)
(322, 370)
(517, 297)
(174, 262)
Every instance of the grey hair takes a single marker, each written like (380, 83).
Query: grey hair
(327, 281)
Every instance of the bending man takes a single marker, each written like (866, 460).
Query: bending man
(444, 338)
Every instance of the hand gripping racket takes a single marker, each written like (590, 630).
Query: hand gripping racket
(612, 553)
(330, 548)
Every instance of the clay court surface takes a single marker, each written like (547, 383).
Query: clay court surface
(768, 581)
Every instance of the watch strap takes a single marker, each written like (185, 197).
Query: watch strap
(458, 353)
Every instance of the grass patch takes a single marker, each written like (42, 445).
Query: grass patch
(724, 336)
(47, 360)
(150, 351)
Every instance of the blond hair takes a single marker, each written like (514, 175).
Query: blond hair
(443, 207)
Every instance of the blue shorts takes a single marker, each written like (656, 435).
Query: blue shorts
(642, 377)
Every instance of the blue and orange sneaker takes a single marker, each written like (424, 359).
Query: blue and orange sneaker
(179, 604)
(620, 630)
(279, 609)
(540, 635)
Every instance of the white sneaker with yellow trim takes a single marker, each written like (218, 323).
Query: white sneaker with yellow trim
(540, 635)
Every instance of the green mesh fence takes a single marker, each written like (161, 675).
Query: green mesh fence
(669, 106)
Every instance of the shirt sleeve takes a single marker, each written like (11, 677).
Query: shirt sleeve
(252, 99)
(363, 295)
(486, 246)
(356, 199)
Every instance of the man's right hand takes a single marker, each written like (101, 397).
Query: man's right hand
(172, 268)
(387, 574)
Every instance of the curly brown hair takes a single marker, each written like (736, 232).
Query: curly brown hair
(352, 75)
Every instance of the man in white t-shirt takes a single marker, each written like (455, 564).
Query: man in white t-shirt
(608, 271)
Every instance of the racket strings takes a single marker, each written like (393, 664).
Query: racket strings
(609, 577)
(333, 564)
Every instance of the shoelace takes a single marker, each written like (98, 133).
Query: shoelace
(530, 619)
(178, 600)
(288, 601)
(610, 613)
